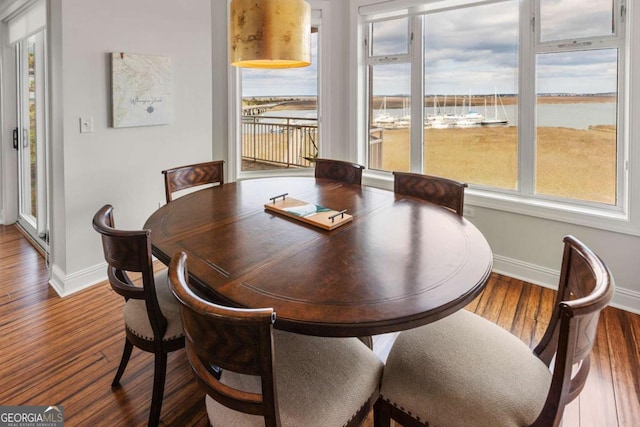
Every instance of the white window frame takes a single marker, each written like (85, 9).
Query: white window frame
(415, 46)
(623, 218)
(320, 13)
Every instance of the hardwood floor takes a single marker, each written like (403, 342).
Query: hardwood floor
(65, 351)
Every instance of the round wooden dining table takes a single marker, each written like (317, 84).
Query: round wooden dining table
(401, 262)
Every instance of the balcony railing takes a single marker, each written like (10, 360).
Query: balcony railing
(280, 141)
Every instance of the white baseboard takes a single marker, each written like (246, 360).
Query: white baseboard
(66, 285)
(521, 270)
(627, 299)
(624, 299)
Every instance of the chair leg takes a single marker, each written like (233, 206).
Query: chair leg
(367, 340)
(126, 354)
(381, 414)
(160, 371)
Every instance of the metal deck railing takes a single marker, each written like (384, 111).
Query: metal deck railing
(282, 141)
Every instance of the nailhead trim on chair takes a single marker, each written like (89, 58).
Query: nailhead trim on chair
(169, 338)
(404, 410)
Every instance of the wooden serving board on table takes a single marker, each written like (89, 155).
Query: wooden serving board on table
(309, 213)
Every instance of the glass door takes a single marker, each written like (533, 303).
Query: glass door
(29, 137)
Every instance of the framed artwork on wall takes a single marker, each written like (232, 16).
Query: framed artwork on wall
(141, 89)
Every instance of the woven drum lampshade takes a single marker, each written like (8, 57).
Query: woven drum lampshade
(270, 33)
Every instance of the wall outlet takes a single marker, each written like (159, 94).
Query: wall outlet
(86, 124)
(468, 212)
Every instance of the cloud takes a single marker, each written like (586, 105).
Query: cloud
(283, 81)
(587, 71)
(475, 50)
(575, 18)
(279, 82)
(390, 37)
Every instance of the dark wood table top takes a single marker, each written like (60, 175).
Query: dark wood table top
(401, 263)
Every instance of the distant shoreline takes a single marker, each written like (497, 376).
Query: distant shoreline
(310, 103)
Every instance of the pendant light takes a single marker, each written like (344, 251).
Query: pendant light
(270, 33)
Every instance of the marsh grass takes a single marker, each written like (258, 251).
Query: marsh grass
(572, 163)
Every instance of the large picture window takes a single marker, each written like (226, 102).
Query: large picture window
(519, 97)
(470, 84)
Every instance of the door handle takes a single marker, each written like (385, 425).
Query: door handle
(25, 138)
(15, 138)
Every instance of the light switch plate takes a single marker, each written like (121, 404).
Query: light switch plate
(86, 124)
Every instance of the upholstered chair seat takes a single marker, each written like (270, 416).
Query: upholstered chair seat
(311, 372)
(151, 312)
(136, 319)
(464, 370)
(271, 377)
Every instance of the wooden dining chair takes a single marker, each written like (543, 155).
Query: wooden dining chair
(151, 312)
(442, 191)
(466, 371)
(338, 170)
(183, 177)
(270, 377)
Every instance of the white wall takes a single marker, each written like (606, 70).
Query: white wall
(336, 142)
(220, 77)
(8, 155)
(119, 166)
(531, 248)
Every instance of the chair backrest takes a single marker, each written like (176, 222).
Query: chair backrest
(237, 340)
(188, 176)
(585, 288)
(130, 251)
(338, 170)
(442, 191)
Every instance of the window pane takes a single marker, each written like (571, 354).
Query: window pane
(470, 64)
(280, 115)
(576, 125)
(390, 37)
(28, 152)
(389, 133)
(571, 19)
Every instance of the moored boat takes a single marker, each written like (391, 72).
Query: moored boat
(496, 119)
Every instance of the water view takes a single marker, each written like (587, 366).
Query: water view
(569, 115)
(575, 141)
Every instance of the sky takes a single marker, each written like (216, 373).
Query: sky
(474, 51)
(283, 81)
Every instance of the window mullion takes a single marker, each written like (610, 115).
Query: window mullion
(417, 95)
(527, 101)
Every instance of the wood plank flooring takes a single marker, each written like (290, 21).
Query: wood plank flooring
(65, 351)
